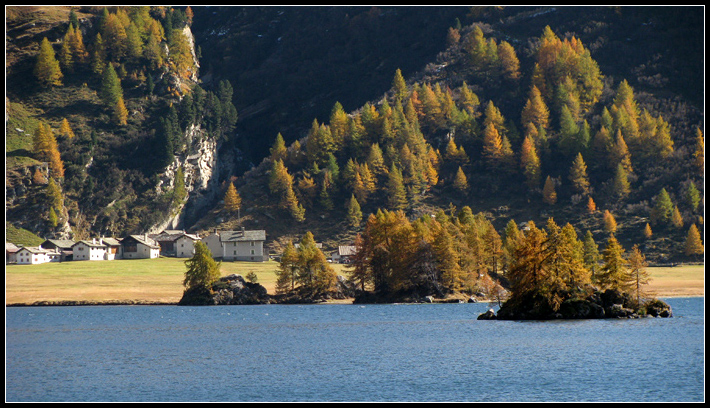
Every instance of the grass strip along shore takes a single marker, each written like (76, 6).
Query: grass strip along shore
(159, 281)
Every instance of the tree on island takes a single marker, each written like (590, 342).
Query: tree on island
(202, 269)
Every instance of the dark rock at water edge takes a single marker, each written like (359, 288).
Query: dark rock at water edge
(228, 290)
(607, 304)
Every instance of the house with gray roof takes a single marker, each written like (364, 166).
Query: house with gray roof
(176, 243)
(241, 245)
(63, 246)
(139, 247)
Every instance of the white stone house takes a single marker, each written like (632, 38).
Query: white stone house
(94, 250)
(237, 245)
(36, 255)
(139, 247)
(185, 245)
(113, 249)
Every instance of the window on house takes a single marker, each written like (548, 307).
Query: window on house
(252, 243)
(252, 252)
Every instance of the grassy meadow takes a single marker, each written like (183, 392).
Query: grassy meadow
(160, 280)
(148, 280)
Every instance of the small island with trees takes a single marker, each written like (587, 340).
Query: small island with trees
(545, 273)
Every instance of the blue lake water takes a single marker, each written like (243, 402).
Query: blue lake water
(432, 352)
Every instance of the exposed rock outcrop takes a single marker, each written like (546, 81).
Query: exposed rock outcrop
(607, 304)
(228, 290)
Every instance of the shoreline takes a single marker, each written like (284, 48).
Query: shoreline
(349, 301)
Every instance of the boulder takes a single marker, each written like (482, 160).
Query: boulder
(658, 308)
(489, 315)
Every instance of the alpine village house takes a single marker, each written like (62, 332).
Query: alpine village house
(239, 245)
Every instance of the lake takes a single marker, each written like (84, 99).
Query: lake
(401, 352)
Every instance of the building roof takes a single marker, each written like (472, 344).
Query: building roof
(346, 250)
(111, 241)
(96, 244)
(172, 235)
(238, 236)
(38, 250)
(60, 243)
(142, 239)
(10, 247)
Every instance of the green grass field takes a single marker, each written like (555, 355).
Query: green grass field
(160, 280)
(149, 280)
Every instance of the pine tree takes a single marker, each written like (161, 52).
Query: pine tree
(287, 271)
(492, 145)
(614, 273)
(535, 110)
(621, 186)
(53, 220)
(65, 129)
(662, 211)
(202, 270)
(232, 200)
(278, 150)
(47, 68)
(396, 193)
(609, 222)
(110, 91)
(693, 243)
(354, 216)
(591, 206)
(549, 195)
(530, 163)
(620, 153)
(461, 182)
(676, 218)
(692, 196)
(399, 86)
(66, 60)
(315, 277)
(568, 133)
(699, 154)
(98, 55)
(509, 62)
(120, 113)
(578, 175)
(591, 254)
(469, 100)
(54, 195)
(638, 273)
(647, 232)
(376, 161)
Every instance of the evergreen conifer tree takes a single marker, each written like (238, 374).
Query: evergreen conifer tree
(614, 273)
(549, 195)
(354, 215)
(693, 243)
(202, 270)
(609, 222)
(461, 182)
(396, 193)
(47, 68)
(232, 200)
(647, 232)
(110, 91)
(662, 211)
(639, 274)
(578, 175)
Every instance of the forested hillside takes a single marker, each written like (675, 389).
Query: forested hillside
(512, 123)
(592, 116)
